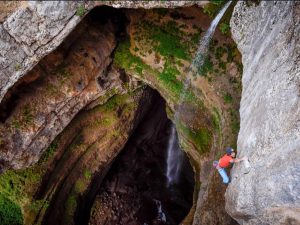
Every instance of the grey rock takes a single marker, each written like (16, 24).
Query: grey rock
(32, 32)
(268, 35)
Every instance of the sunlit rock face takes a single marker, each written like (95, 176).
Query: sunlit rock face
(41, 105)
(31, 30)
(267, 35)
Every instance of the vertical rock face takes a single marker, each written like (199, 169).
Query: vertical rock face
(268, 38)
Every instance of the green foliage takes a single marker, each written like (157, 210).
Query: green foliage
(224, 28)
(87, 174)
(227, 98)
(114, 102)
(202, 137)
(37, 205)
(219, 52)
(124, 58)
(10, 212)
(169, 44)
(195, 38)
(14, 184)
(167, 39)
(212, 8)
(206, 67)
(169, 80)
(231, 53)
(70, 207)
(49, 152)
(18, 186)
(80, 10)
(222, 65)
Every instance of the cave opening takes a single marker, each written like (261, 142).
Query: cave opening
(134, 191)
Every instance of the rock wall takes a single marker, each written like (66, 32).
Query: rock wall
(268, 35)
(34, 30)
(61, 85)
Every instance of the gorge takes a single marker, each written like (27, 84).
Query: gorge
(89, 95)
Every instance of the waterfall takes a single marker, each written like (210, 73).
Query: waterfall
(174, 157)
(203, 44)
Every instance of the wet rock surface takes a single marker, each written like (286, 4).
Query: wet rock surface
(135, 187)
(267, 35)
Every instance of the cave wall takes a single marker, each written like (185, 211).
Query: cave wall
(29, 31)
(207, 116)
(267, 35)
(138, 177)
(55, 91)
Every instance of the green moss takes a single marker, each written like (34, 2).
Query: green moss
(222, 65)
(169, 80)
(224, 28)
(124, 58)
(70, 208)
(15, 184)
(195, 38)
(49, 152)
(227, 98)
(212, 8)
(80, 10)
(202, 137)
(206, 67)
(166, 39)
(87, 174)
(80, 186)
(114, 102)
(219, 52)
(10, 212)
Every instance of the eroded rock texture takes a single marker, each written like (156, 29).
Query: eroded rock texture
(41, 104)
(268, 38)
(37, 28)
(136, 183)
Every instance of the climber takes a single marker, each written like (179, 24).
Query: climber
(225, 161)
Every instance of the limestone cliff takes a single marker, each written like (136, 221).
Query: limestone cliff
(51, 81)
(267, 35)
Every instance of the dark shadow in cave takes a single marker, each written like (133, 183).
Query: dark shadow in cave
(136, 182)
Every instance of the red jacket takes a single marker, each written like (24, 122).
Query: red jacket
(225, 161)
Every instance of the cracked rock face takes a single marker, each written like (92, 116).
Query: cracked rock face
(268, 38)
(38, 27)
(61, 85)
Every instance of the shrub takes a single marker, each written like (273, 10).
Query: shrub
(80, 10)
(227, 98)
(224, 28)
(10, 212)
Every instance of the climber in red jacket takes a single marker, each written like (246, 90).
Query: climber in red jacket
(225, 162)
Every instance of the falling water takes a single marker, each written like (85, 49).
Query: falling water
(174, 157)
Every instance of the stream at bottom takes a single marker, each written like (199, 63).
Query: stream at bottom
(135, 190)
